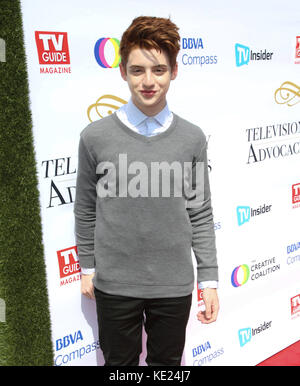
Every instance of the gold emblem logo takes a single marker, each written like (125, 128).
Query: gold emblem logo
(288, 93)
(105, 105)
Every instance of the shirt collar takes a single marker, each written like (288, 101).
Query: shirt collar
(135, 116)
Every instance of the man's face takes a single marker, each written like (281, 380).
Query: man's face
(148, 74)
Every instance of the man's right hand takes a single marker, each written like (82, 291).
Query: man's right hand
(87, 286)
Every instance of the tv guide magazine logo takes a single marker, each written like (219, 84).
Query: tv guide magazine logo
(53, 52)
(69, 268)
(296, 195)
(295, 306)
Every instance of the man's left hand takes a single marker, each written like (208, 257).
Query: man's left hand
(211, 301)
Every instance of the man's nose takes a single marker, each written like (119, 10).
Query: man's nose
(148, 79)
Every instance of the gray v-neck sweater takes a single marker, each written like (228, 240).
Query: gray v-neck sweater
(138, 211)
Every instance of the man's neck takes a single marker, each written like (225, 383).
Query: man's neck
(150, 111)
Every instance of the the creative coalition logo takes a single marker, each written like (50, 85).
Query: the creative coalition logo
(257, 270)
(53, 52)
(190, 48)
(295, 306)
(106, 52)
(296, 195)
(59, 174)
(240, 275)
(245, 213)
(246, 334)
(297, 51)
(243, 55)
(282, 140)
(69, 268)
(288, 93)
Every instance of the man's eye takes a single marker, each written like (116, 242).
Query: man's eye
(159, 70)
(136, 71)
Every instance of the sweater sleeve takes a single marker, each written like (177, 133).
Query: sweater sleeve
(85, 206)
(200, 212)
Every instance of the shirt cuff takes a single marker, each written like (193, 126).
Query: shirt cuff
(208, 284)
(87, 271)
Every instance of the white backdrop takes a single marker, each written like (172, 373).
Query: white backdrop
(250, 111)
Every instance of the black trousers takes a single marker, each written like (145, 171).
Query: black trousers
(121, 319)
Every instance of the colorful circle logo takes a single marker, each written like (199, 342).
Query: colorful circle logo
(100, 55)
(240, 275)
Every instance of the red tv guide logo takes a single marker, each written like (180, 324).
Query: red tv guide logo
(296, 193)
(297, 54)
(68, 261)
(199, 294)
(295, 305)
(52, 47)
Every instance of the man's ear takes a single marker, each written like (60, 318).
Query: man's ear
(123, 71)
(174, 71)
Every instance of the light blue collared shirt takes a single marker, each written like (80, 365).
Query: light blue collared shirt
(136, 120)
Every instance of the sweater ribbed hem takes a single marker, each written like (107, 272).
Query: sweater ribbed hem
(143, 292)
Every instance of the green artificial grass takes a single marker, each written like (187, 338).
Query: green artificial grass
(25, 335)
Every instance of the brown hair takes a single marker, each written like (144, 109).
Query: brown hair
(151, 32)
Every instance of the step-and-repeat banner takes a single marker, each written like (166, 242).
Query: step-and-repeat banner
(239, 80)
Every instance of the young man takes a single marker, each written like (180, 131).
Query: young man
(134, 231)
